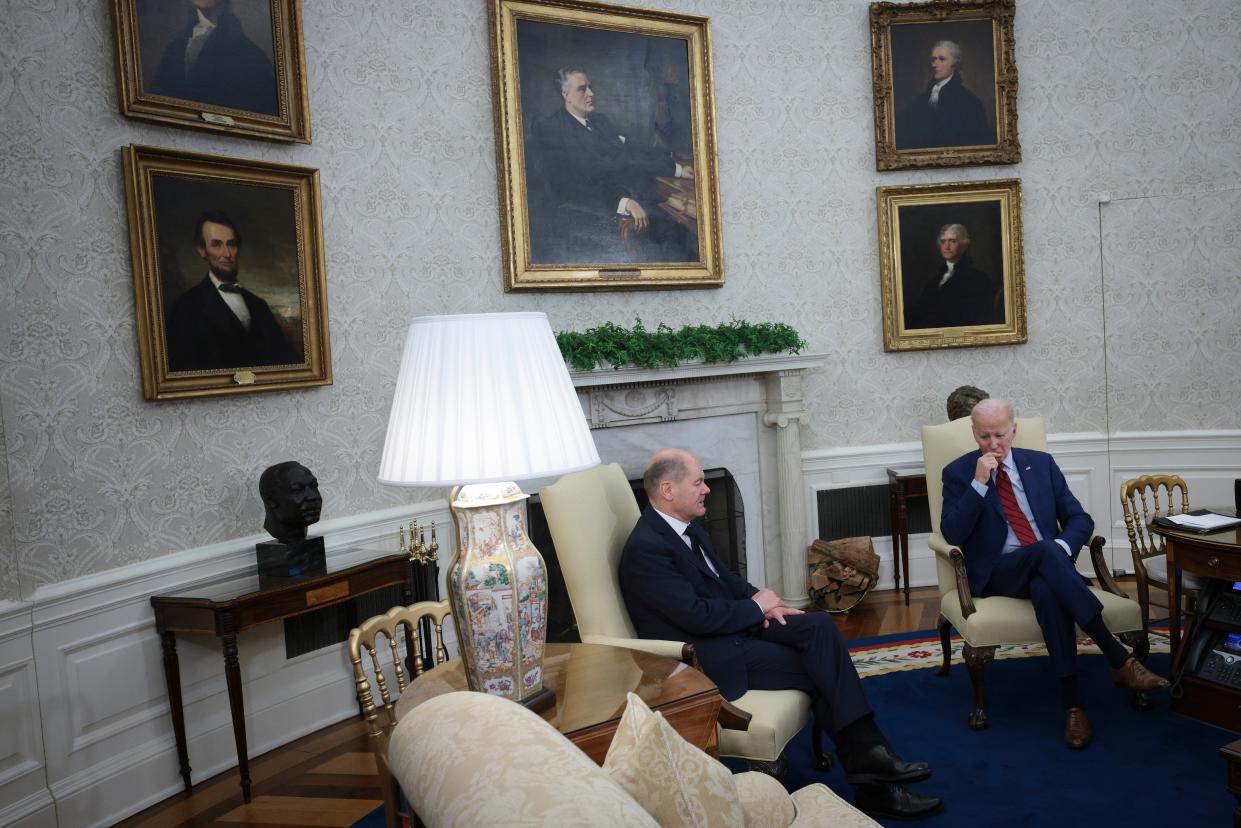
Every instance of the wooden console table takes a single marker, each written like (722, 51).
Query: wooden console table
(274, 600)
(902, 485)
(1213, 555)
(590, 682)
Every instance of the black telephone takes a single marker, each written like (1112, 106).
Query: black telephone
(1215, 655)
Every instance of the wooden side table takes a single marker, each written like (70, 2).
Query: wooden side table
(902, 485)
(275, 600)
(591, 682)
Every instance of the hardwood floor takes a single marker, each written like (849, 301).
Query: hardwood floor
(328, 778)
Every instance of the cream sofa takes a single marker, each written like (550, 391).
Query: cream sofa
(467, 759)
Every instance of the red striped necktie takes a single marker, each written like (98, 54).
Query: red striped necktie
(1012, 511)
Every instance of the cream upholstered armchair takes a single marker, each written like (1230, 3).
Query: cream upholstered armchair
(590, 515)
(986, 623)
(466, 759)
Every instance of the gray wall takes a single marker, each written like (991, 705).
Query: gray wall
(1127, 97)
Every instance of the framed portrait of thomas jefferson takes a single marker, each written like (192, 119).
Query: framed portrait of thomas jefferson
(229, 66)
(605, 134)
(229, 280)
(944, 76)
(952, 273)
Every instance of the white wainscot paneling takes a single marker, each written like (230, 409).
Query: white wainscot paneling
(24, 798)
(102, 700)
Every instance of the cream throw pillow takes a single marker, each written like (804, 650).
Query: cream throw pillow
(674, 781)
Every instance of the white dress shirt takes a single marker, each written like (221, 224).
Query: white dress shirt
(236, 303)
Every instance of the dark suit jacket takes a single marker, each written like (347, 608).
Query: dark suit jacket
(204, 333)
(671, 594)
(968, 298)
(231, 71)
(958, 119)
(977, 524)
(593, 167)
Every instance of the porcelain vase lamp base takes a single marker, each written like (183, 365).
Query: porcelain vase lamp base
(497, 585)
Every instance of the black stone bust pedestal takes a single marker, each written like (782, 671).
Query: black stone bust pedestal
(297, 559)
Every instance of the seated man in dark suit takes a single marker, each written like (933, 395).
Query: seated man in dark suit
(217, 323)
(676, 588)
(583, 160)
(1020, 529)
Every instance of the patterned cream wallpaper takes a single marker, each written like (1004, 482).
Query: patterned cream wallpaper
(1127, 97)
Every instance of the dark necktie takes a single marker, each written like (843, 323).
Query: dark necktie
(230, 287)
(698, 548)
(1012, 511)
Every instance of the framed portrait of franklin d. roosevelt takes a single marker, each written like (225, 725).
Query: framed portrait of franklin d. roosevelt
(228, 66)
(605, 147)
(944, 79)
(229, 279)
(951, 265)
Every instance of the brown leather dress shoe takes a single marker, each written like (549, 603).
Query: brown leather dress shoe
(1077, 732)
(1134, 675)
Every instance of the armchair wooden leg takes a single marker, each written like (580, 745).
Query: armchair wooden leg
(822, 761)
(976, 659)
(945, 644)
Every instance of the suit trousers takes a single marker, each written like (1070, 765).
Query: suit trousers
(1062, 601)
(808, 654)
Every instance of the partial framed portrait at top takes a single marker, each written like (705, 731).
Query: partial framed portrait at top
(227, 66)
(605, 136)
(229, 280)
(944, 76)
(952, 272)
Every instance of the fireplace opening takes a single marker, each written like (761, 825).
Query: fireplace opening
(724, 523)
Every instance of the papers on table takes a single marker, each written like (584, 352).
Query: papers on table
(1208, 522)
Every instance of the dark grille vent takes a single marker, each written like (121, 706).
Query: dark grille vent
(331, 625)
(866, 511)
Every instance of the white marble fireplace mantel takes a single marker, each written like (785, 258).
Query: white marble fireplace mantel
(769, 387)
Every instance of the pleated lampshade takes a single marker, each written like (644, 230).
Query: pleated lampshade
(483, 398)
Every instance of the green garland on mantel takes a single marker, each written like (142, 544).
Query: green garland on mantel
(610, 345)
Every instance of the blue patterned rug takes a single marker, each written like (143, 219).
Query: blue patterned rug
(1152, 768)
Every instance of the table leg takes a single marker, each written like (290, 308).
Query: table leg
(1174, 611)
(172, 678)
(894, 513)
(232, 673)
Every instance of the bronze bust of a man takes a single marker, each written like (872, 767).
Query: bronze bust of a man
(291, 497)
(962, 401)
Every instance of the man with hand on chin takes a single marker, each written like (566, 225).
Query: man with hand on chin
(676, 588)
(1020, 530)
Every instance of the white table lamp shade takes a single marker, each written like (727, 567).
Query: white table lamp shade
(483, 398)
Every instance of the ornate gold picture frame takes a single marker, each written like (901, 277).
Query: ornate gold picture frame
(237, 67)
(605, 147)
(952, 272)
(944, 75)
(229, 279)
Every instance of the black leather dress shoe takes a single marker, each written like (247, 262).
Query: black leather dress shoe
(895, 802)
(880, 764)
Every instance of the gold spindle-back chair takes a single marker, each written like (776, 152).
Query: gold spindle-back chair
(398, 623)
(1143, 499)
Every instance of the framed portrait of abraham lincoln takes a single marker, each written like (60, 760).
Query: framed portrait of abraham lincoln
(944, 76)
(605, 147)
(229, 280)
(952, 272)
(229, 66)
